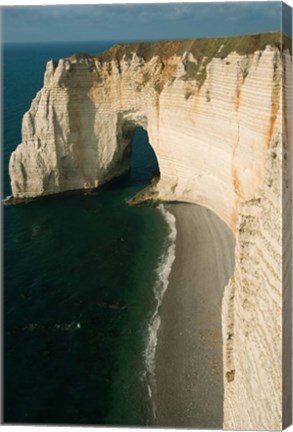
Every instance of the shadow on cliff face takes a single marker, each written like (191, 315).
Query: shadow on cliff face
(81, 119)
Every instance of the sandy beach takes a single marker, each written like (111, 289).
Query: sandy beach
(189, 387)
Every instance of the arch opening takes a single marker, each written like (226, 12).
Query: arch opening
(135, 151)
(144, 166)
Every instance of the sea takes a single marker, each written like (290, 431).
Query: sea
(84, 277)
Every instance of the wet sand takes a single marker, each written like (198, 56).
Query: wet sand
(189, 383)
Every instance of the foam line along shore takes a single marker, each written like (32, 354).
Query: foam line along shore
(188, 358)
(163, 273)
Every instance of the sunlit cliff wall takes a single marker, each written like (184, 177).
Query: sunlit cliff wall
(217, 116)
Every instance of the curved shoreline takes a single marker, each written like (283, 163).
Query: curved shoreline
(188, 362)
(163, 272)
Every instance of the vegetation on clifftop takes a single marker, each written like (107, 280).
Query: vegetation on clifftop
(203, 50)
(200, 48)
(207, 47)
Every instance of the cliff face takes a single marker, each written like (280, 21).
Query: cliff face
(209, 112)
(256, 311)
(213, 112)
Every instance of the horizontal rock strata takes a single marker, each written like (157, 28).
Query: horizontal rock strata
(217, 116)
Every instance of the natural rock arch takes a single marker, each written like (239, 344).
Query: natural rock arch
(218, 118)
(126, 126)
(75, 134)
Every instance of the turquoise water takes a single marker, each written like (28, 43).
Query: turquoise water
(79, 274)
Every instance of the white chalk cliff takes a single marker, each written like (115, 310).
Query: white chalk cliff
(217, 113)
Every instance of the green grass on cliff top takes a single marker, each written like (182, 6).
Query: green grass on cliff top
(204, 50)
(207, 47)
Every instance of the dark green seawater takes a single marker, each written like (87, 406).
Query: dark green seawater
(79, 274)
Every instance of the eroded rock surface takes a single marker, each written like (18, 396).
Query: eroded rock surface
(218, 118)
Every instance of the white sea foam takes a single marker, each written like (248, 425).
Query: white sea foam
(163, 272)
(7, 200)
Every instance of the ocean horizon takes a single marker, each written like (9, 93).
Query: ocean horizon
(147, 237)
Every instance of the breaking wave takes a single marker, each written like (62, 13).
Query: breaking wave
(163, 272)
(7, 200)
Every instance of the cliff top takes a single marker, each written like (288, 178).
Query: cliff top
(206, 47)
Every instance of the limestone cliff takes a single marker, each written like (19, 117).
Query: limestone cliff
(217, 116)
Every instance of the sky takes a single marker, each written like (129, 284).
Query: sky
(148, 21)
